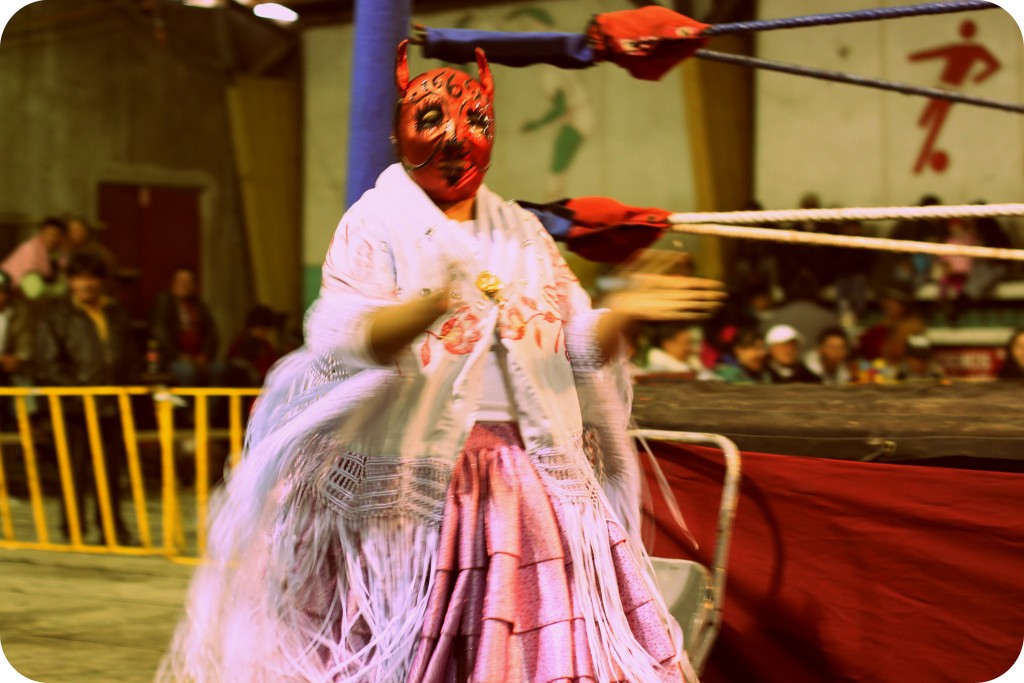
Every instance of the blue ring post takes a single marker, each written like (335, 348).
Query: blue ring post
(380, 26)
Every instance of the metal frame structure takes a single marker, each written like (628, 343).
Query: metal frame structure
(699, 590)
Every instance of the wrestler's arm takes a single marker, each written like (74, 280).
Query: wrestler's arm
(392, 328)
(650, 292)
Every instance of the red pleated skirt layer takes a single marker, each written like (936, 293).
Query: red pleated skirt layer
(502, 608)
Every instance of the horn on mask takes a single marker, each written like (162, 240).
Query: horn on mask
(402, 67)
(486, 80)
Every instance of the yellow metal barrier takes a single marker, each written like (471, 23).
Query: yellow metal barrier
(88, 431)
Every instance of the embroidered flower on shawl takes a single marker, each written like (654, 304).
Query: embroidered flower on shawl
(459, 334)
(513, 325)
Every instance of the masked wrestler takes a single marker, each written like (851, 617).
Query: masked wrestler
(439, 487)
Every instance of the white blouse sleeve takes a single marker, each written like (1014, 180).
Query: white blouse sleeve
(358, 279)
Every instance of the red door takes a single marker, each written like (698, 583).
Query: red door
(152, 231)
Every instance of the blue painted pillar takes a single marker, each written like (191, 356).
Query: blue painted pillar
(380, 26)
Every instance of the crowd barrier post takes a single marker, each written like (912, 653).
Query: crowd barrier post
(67, 479)
(31, 471)
(6, 520)
(202, 454)
(165, 425)
(236, 432)
(131, 447)
(99, 468)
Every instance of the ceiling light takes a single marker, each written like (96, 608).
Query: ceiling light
(272, 10)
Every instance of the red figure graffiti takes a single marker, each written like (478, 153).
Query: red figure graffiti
(960, 60)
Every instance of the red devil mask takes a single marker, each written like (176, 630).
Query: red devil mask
(444, 127)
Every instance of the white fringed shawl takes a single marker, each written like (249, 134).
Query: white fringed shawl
(321, 546)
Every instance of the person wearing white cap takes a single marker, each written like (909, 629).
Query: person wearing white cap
(784, 364)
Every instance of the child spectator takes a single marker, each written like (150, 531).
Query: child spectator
(917, 365)
(674, 351)
(749, 355)
(37, 256)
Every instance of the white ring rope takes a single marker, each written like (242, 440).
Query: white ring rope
(825, 239)
(884, 213)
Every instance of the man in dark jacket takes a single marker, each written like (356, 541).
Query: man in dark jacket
(16, 344)
(84, 340)
(182, 325)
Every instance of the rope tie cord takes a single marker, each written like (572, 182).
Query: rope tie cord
(827, 240)
(849, 17)
(883, 213)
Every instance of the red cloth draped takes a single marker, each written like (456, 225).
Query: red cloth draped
(851, 571)
(647, 41)
(608, 231)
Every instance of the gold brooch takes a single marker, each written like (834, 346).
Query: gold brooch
(489, 283)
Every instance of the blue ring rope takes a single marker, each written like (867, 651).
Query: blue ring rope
(842, 77)
(849, 17)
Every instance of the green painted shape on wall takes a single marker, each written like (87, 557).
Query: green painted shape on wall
(310, 285)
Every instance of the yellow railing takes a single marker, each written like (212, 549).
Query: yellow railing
(14, 527)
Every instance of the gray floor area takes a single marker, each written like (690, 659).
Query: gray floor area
(78, 618)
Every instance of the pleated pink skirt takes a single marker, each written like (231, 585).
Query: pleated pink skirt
(502, 608)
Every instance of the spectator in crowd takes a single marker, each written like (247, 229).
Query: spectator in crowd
(801, 311)
(16, 343)
(830, 361)
(796, 258)
(673, 350)
(987, 273)
(253, 351)
(917, 363)
(1013, 365)
(748, 308)
(748, 366)
(887, 339)
(956, 269)
(851, 268)
(184, 329)
(909, 271)
(37, 256)
(784, 364)
(84, 339)
(754, 260)
(82, 237)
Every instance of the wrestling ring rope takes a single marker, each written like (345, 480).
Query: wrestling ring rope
(711, 223)
(575, 51)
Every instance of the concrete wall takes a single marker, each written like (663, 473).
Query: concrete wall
(90, 95)
(859, 147)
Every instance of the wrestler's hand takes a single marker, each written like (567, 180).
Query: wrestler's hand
(656, 285)
(651, 288)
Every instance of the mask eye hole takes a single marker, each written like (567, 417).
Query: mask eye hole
(429, 117)
(479, 121)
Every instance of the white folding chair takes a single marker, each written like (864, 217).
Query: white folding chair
(694, 593)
